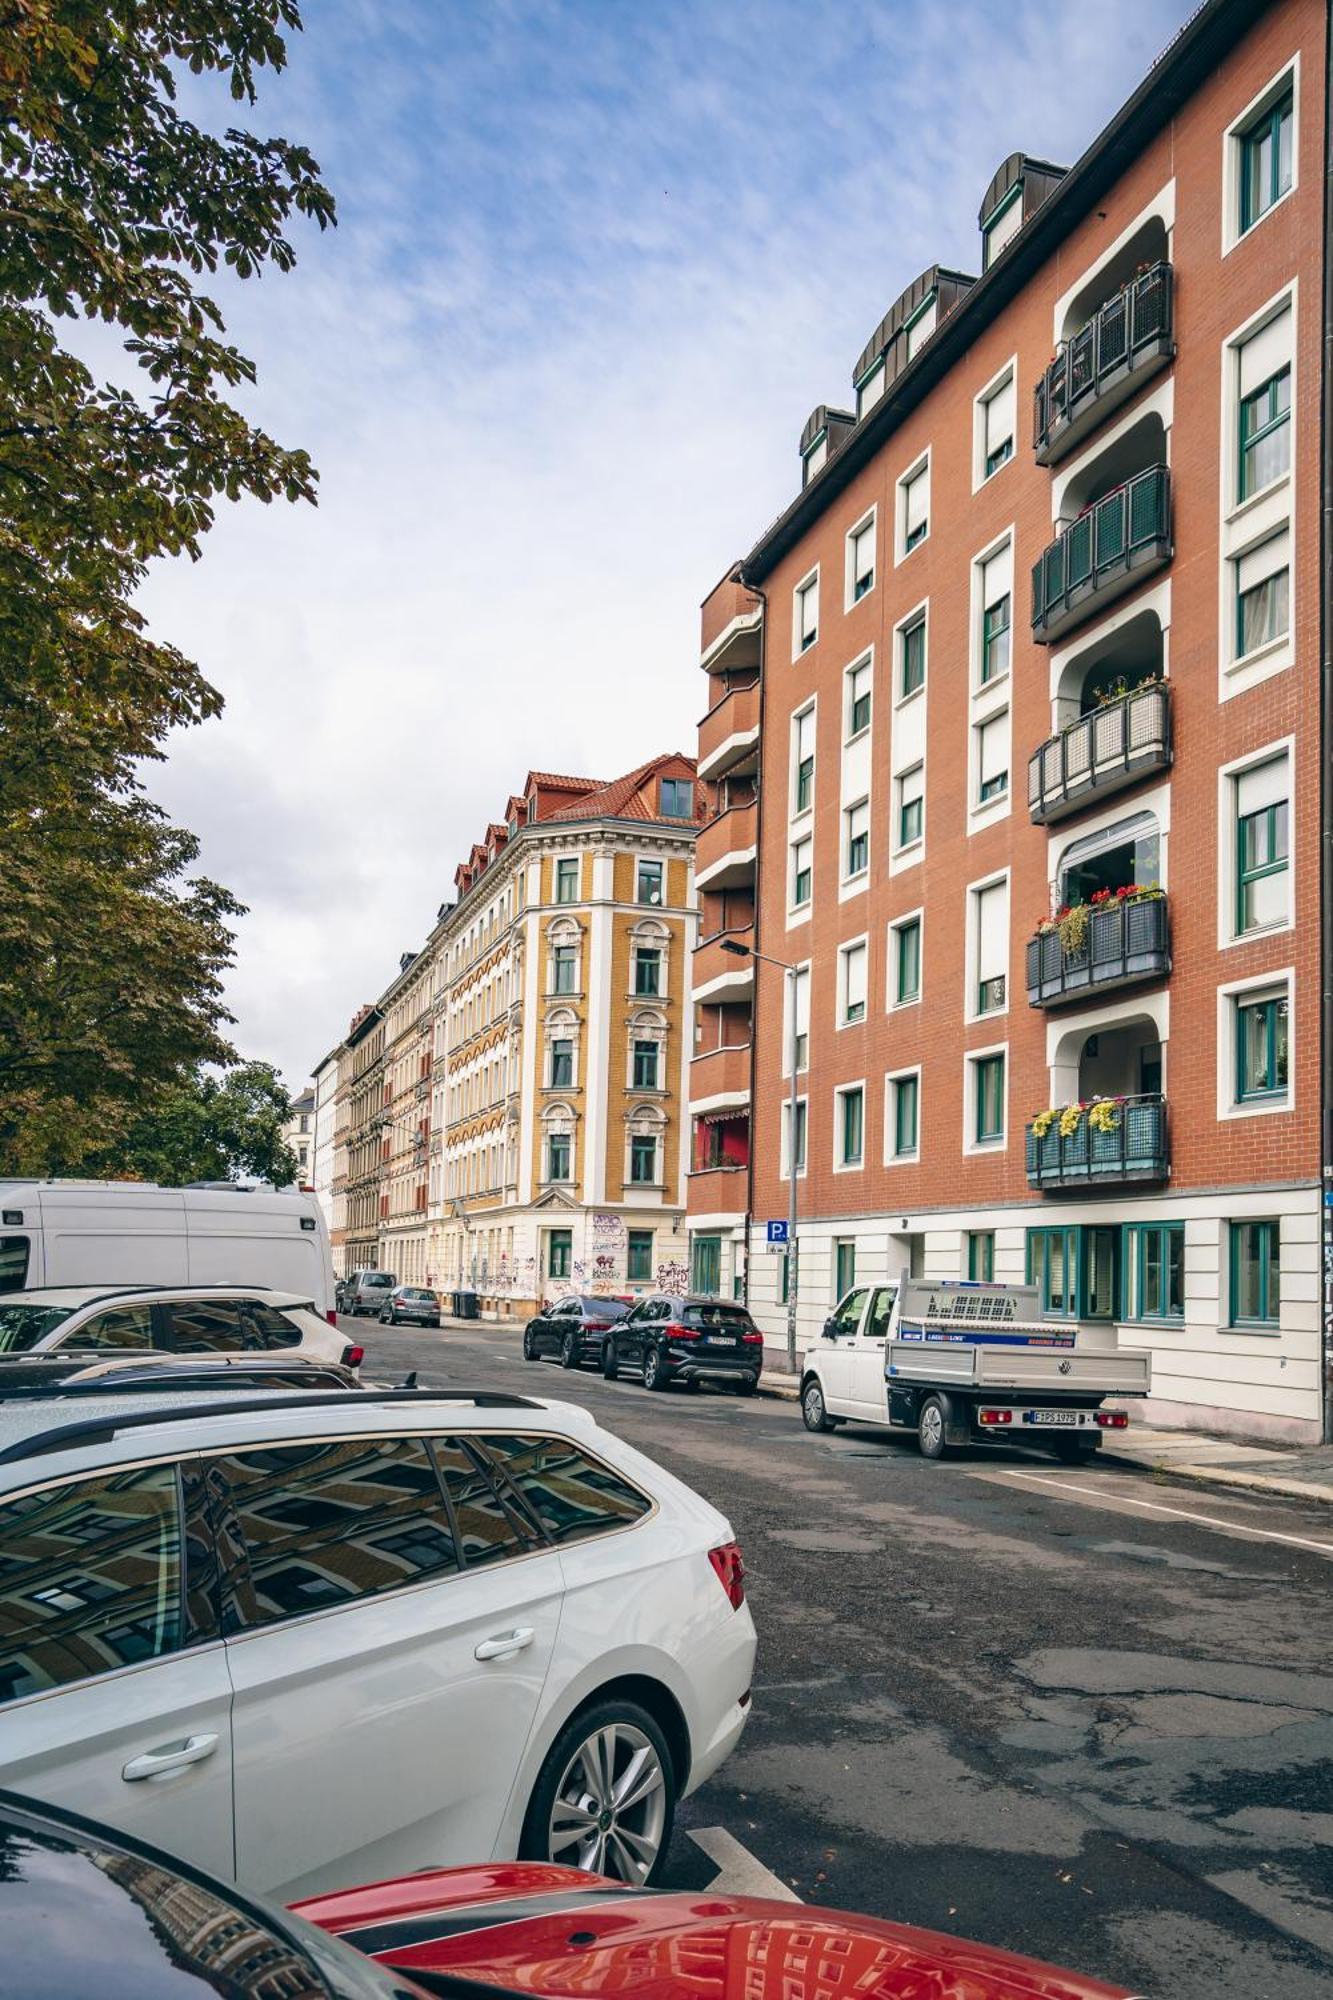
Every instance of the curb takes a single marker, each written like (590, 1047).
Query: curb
(1218, 1475)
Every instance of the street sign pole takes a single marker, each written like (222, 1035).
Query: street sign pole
(792, 1254)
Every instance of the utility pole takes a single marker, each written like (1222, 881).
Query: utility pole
(740, 950)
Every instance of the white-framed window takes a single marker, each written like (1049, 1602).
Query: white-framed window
(802, 983)
(805, 613)
(859, 681)
(801, 886)
(1261, 596)
(992, 759)
(1256, 891)
(987, 953)
(861, 559)
(649, 880)
(802, 1126)
(902, 1115)
(906, 959)
(855, 839)
(1002, 225)
(870, 387)
(922, 325)
(995, 425)
(992, 614)
(1261, 155)
(1256, 1058)
(567, 879)
(986, 1099)
(853, 974)
(913, 509)
(849, 1127)
(909, 809)
(1261, 427)
(803, 760)
(1258, 496)
(910, 649)
(814, 458)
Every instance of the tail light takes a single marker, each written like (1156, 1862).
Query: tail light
(995, 1416)
(353, 1357)
(331, 1316)
(753, 1339)
(730, 1572)
(596, 1326)
(1113, 1420)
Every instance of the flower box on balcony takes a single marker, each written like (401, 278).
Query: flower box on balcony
(1118, 939)
(1106, 1142)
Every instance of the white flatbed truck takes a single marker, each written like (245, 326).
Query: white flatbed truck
(959, 1362)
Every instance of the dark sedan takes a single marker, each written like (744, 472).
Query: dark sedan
(688, 1340)
(410, 1305)
(574, 1328)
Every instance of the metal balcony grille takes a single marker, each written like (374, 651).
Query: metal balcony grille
(1126, 943)
(1097, 555)
(1133, 329)
(1103, 751)
(1137, 1150)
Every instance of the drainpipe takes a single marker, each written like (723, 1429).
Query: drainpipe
(1326, 749)
(762, 595)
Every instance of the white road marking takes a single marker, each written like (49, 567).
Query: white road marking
(740, 1873)
(1117, 1499)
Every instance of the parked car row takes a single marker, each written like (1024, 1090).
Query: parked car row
(663, 1339)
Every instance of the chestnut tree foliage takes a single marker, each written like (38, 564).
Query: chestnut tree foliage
(115, 207)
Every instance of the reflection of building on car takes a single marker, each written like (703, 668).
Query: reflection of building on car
(141, 1319)
(502, 1595)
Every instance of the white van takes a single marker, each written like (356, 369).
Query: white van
(135, 1233)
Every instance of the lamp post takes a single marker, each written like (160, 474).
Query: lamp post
(739, 950)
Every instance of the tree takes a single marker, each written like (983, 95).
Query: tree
(209, 1128)
(112, 205)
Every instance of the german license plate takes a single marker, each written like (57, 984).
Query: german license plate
(1067, 1418)
(718, 1340)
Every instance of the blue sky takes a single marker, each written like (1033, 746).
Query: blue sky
(597, 260)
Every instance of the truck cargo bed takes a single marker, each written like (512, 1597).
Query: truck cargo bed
(1059, 1370)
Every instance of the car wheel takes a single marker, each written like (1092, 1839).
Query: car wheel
(605, 1799)
(384, 1319)
(930, 1428)
(655, 1373)
(610, 1366)
(530, 1345)
(814, 1414)
(1075, 1450)
(569, 1349)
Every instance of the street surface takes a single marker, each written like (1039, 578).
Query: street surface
(1080, 1713)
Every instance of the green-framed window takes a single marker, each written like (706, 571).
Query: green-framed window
(906, 1093)
(911, 808)
(1052, 1267)
(649, 883)
(857, 822)
(1265, 433)
(639, 1257)
(646, 1065)
(802, 1122)
(1262, 859)
(1265, 160)
(559, 1154)
(647, 972)
(802, 872)
(807, 614)
(562, 1062)
(988, 1083)
(851, 1126)
(844, 1267)
(677, 798)
(706, 1265)
(1263, 607)
(858, 699)
(981, 1255)
(995, 623)
(1076, 1270)
(643, 1160)
(1261, 1048)
(862, 559)
(566, 881)
(564, 968)
(1256, 1273)
(907, 970)
(1153, 1262)
(559, 1252)
(912, 657)
(805, 782)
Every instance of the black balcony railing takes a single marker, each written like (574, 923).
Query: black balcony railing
(1135, 1149)
(1122, 537)
(1110, 747)
(1125, 943)
(1104, 363)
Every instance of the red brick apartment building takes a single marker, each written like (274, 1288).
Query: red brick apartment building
(1015, 748)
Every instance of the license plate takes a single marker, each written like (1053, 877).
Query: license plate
(718, 1340)
(1068, 1418)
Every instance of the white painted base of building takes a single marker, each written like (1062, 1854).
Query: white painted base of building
(505, 1254)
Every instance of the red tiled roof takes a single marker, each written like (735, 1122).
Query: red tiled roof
(622, 798)
(552, 781)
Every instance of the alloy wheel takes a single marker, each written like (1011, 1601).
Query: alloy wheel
(932, 1428)
(610, 1806)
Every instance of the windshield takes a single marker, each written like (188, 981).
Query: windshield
(735, 1319)
(21, 1327)
(376, 1278)
(415, 1292)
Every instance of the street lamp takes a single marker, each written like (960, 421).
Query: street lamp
(739, 950)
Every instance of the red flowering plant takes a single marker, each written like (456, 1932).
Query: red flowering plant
(1071, 920)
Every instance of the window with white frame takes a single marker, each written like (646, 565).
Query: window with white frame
(1262, 157)
(861, 560)
(802, 872)
(909, 817)
(856, 839)
(871, 387)
(989, 953)
(992, 736)
(815, 458)
(902, 1115)
(1260, 857)
(803, 760)
(801, 1128)
(920, 328)
(911, 638)
(914, 507)
(806, 620)
(858, 698)
(1262, 594)
(802, 984)
(996, 422)
(567, 881)
(994, 595)
(1260, 1047)
(648, 883)
(905, 960)
(852, 976)
(849, 1125)
(1003, 225)
(1263, 404)
(985, 1107)
(565, 968)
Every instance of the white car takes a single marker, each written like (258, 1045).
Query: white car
(243, 1320)
(343, 1637)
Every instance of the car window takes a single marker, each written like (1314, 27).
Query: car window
(13, 1263)
(265, 1326)
(90, 1578)
(847, 1317)
(21, 1327)
(118, 1330)
(377, 1280)
(490, 1526)
(207, 1326)
(881, 1312)
(571, 1494)
(730, 1319)
(415, 1292)
(329, 1523)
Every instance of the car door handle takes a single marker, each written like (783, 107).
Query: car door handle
(171, 1757)
(503, 1645)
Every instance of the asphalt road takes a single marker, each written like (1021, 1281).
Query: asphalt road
(1085, 1714)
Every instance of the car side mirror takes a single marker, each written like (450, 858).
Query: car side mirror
(830, 1331)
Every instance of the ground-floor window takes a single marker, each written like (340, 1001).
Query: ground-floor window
(1153, 1270)
(981, 1255)
(1256, 1273)
(1076, 1270)
(844, 1267)
(706, 1265)
(639, 1257)
(559, 1253)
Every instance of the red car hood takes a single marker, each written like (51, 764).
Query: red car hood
(558, 1933)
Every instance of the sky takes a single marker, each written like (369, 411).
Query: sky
(596, 262)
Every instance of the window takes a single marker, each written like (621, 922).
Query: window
(803, 751)
(851, 1126)
(922, 326)
(90, 1579)
(907, 961)
(911, 806)
(564, 968)
(1256, 1273)
(13, 1263)
(988, 1084)
(1263, 594)
(1052, 1267)
(121, 1330)
(996, 599)
(567, 881)
(802, 865)
(814, 458)
(491, 1523)
(993, 757)
(1262, 846)
(870, 388)
(912, 656)
(904, 1103)
(858, 699)
(648, 883)
(562, 1063)
(645, 1065)
(571, 1495)
(210, 1326)
(856, 825)
(844, 1274)
(914, 500)
(802, 978)
(997, 426)
(801, 1124)
(677, 798)
(265, 1326)
(981, 1256)
(1265, 160)
(1003, 225)
(852, 979)
(559, 1252)
(1154, 1269)
(706, 1265)
(807, 612)
(643, 1159)
(329, 1523)
(647, 972)
(990, 945)
(861, 560)
(1261, 1048)
(559, 1155)
(639, 1257)
(1265, 433)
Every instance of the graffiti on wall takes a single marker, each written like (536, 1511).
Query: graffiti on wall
(673, 1277)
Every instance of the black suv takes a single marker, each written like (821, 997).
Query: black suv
(686, 1340)
(574, 1328)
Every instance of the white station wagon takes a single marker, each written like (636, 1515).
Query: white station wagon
(307, 1640)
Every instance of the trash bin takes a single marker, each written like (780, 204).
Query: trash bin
(467, 1305)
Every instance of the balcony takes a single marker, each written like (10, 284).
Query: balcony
(717, 1191)
(1122, 539)
(1106, 362)
(1136, 1149)
(1125, 944)
(724, 854)
(720, 1079)
(729, 733)
(1112, 746)
(719, 978)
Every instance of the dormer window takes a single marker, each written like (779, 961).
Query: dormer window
(870, 388)
(815, 457)
(1003, 225)
(677, 798)
(920, 328)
